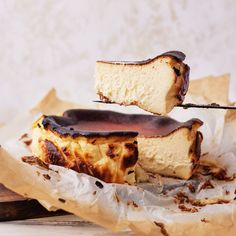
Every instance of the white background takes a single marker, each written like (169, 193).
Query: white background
(48, 43)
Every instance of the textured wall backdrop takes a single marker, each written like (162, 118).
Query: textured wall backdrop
(54, 43)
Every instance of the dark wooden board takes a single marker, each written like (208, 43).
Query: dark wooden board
(15, 207)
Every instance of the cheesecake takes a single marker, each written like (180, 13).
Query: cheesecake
(109, 145)
(155, 85)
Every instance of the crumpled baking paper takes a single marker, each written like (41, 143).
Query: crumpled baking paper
(140, 208)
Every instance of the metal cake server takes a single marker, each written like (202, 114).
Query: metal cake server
(190, 105)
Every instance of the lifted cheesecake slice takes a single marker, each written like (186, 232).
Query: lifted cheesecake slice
(155, 85)
(103, 144)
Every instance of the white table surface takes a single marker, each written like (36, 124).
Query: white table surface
(59, 226)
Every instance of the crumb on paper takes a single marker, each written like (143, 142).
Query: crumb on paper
(132, 203)
(206, 185)
(162, 227)
(205, 220)
(99, 184)
(182, 207)
(61, 200)
(26, 139)
(191, 188)
(46, 176)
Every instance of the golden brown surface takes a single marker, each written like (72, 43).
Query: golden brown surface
(111, 159)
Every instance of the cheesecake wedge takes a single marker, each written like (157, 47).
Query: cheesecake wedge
(104, 144)
(155, 85)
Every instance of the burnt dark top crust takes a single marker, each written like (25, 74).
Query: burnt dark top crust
(105, 123)
(70, 126)
(185, 84)
(179, 56)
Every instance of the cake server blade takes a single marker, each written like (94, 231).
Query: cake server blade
(190, 105)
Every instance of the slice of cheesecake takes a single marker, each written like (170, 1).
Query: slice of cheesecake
(155, 85)
(103, 144)
(76, 142)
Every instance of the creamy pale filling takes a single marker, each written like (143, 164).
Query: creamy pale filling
(153, 87)
(170, 155)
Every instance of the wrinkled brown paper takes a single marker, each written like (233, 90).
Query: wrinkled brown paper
(117, 206)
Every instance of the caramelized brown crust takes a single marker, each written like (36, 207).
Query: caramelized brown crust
(199, 139)
(175, 54)
(107, 123)
(196, 151)
(56, 155)
(70, 125)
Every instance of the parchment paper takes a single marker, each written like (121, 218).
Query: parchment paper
(142, 208)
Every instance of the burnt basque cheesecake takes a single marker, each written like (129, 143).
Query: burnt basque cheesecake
(104, 144)
(155, 85)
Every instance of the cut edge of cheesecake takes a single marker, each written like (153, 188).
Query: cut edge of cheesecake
(111, 157)
(176, 155)
(155, 85)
